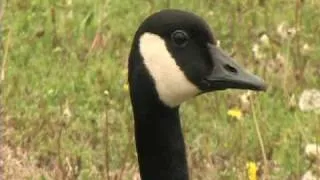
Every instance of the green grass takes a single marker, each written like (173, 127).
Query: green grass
(52, 67)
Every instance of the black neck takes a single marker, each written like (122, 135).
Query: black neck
(159, 140)
(160, 145)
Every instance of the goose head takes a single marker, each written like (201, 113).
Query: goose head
(175, 54)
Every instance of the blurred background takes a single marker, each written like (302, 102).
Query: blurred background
(65, 110)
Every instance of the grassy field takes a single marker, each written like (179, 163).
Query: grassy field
(65, 110)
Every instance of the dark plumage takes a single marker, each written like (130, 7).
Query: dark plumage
(173, 58)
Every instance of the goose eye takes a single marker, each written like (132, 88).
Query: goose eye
(180, 38)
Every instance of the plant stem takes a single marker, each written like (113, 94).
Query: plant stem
(265, 161)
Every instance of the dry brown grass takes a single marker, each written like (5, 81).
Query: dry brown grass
(16, 165)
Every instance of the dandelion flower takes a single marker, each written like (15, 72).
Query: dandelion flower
(310, 100)
(309, 176)
(277, 65)
(235, 113)
(252, 170)
(285, 31)
(257, 52)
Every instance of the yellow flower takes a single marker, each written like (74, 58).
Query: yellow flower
(252, 170)
(235, 113)
(126, 87)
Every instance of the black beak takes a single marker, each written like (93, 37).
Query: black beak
(226, 73)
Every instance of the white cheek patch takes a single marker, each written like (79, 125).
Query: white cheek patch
(171, 84)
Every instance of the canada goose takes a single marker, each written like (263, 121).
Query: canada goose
(174, 57)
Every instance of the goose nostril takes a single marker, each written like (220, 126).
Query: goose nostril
(230, 69)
